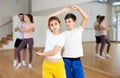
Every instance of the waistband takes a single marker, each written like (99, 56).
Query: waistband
(78, 58)
(53, 60)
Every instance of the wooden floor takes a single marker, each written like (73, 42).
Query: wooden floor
(99, 67)
(109, 65)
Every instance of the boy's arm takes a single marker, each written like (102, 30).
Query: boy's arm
(28, 30)
(50, 53)
(57, 13)
(16, 28)
(105, 27)
(83, 14)
(109, 27)
(97, 27)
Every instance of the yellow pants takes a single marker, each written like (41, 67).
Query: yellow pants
(53, 69)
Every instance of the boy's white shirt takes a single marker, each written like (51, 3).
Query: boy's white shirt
(97, 32)
(53, 40)
(73, 43)
(20, 33)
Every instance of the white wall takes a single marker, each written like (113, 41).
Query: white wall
(92, 9)
(38, 5)
(8, 8)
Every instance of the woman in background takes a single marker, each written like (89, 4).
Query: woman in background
(28, 29)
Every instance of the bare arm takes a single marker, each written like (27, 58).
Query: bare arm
(16, 28)
(83, 14)
(29, 29)
(103, 27)
(57, 13)
(97, 27)
(50, 53)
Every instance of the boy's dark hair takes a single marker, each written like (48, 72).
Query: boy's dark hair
(98, 16)
(70, 15)
(20, 14)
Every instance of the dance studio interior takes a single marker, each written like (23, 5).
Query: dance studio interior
(94, 66)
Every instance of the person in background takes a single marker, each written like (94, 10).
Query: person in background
(104, 38)
(28, 29)
(97, 34)
(19, 40)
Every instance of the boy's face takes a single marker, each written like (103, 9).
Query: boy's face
(70, 23)
(21, 17)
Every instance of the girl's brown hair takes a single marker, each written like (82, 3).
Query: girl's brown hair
(31, 17)
(53, 18)
(101, 19)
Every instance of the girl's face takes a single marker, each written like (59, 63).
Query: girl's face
(69, 23)
(54, 26)
(26, 18)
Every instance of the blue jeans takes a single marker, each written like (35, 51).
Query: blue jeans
(73, 68)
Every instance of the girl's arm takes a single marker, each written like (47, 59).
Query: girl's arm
(103, 27)
(97, 27)
(28, 30)
(50, 53)
(57, 13)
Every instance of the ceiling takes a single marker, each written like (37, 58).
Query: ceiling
(38, 5)
(104, 1)
(114, 0)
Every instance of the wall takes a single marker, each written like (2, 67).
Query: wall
(92, 9)
(8, 8)
(48, 4)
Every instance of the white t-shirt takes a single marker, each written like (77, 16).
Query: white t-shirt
(20, 33)
(97, 32)
(73, 43)
(53, 40)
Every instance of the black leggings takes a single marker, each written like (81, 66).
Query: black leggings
(104, 40)
(30, 42)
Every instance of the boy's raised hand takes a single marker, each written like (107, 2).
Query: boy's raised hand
(67, 9)
(74, 7)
